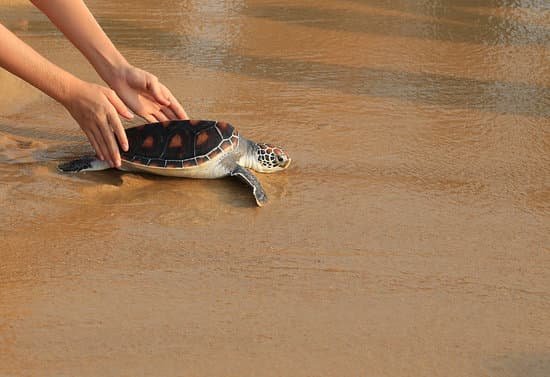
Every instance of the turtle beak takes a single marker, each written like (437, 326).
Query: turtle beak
(286, 164)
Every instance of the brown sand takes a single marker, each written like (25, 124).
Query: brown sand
(409, 238)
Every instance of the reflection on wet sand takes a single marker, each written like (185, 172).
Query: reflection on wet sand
(445, 23)
(410, 236)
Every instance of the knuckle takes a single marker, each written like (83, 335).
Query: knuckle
(115, 118)
(105, 129)
(100, 125)
(89, 117)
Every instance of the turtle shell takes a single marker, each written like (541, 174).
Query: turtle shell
(179, 144)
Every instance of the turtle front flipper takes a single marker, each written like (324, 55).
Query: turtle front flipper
(83, 164)
(250, 179)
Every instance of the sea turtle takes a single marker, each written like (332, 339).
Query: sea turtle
(193, 149)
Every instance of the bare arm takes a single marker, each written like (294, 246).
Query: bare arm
(140, 90)
(74, 20)
(20, 59)
(92, 106)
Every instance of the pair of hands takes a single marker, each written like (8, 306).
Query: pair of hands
(97, 108)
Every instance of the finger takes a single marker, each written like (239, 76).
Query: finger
(160, 116)
(119, 131)
(110, 143)
(169, 113)
(119, 105)
(101, 144)
(154, 87)
(149, 118)
(180, 112)
(94, 143)
(175, 105)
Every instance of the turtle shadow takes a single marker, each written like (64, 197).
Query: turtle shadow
(241, 194)
(228, 191)
(109, 177)
(238, 194)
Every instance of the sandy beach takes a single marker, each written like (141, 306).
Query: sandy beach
(410, 237)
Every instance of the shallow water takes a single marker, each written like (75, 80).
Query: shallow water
(409, 237)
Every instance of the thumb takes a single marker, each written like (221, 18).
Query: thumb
(119, 105)
(154, 87)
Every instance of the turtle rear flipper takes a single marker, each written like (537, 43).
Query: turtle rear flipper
(250, 179)
(83, 164)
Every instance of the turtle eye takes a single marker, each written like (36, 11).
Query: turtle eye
(280, 158)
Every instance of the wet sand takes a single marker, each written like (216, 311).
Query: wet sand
(410, 237)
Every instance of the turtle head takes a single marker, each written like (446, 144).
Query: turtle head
(269, 158)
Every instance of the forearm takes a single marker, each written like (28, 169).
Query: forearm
(20, 59)
(74, 20)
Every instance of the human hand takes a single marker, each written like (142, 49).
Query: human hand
(145, 95)
(96, 109)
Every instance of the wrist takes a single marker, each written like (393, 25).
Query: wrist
(112, 69)
(70, 88)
